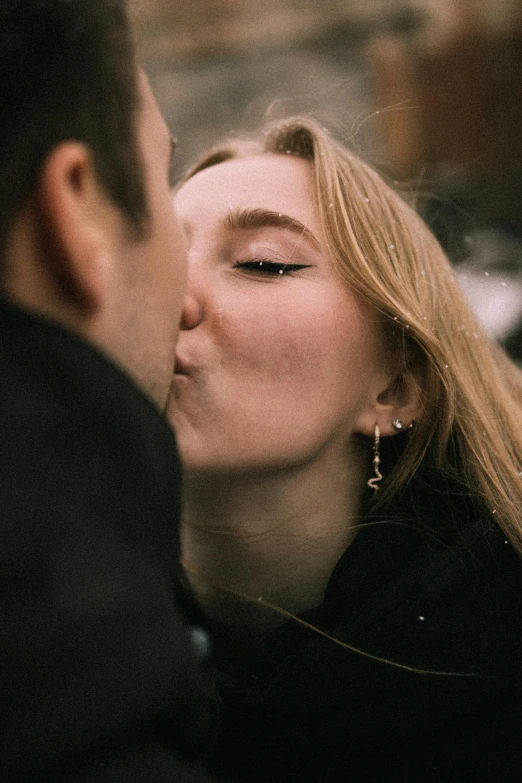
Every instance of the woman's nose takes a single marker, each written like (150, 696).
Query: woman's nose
(192, 311)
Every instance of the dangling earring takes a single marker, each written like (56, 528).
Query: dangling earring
(373, 482)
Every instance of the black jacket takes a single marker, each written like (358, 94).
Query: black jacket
(99, 677)
(435, 588)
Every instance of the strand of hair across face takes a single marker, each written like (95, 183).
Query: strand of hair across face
(260, 601)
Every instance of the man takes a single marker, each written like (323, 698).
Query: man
(99, 678)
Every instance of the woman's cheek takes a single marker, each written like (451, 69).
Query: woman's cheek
(273, 347)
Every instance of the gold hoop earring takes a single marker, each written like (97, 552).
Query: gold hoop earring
(373, 482)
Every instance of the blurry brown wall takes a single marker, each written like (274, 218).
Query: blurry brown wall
(460, 79)
(445, 75)
(180, 28)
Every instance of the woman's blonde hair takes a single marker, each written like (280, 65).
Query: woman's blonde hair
(471, 421)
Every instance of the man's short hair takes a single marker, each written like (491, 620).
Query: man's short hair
(68, 71)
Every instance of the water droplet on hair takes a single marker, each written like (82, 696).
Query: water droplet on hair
(506, 541)
(407, 327)
(392, 247)
(503, 284)
(486, 274)
(421, 617)
(395, 318)
(367, 200)
(425, 318)
(446, 366)
(494, 511)
(330, 205)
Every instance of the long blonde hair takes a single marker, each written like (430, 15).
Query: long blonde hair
(472, 393)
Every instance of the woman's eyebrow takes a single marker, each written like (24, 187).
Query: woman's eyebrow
(259, 218)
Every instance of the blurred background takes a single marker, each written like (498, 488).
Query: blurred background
(428, 91)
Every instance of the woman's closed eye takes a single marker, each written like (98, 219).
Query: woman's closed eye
(268, 268)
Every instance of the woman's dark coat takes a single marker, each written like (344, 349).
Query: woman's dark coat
(436, 590)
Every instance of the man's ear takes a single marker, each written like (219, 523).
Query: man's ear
(400, 399)
(77, 221)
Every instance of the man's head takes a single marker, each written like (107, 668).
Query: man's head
(67, 71)
(87, 232)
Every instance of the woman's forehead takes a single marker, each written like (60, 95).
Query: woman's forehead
(273, 183)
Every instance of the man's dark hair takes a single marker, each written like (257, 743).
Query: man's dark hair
(68, 71)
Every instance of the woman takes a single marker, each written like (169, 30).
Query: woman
(353, 452)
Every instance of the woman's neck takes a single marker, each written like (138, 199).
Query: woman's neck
(252, 540)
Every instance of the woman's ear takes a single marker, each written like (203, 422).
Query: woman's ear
(75, 230)
(400, 402)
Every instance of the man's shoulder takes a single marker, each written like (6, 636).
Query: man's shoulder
(97, 645)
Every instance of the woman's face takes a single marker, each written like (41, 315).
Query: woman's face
(278, 361)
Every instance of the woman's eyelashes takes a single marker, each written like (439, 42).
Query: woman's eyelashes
(268, 268)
